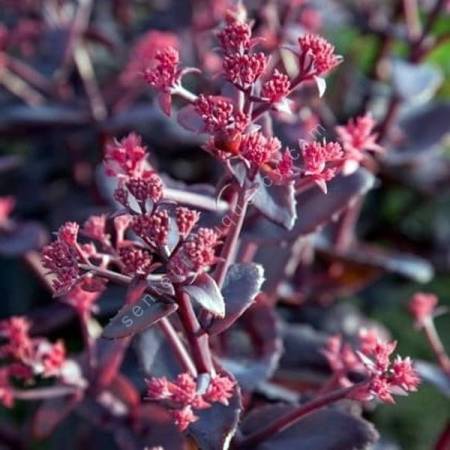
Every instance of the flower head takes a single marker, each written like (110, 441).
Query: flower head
(220, 390)
(183, 417)
(16, 331)
(244, 70)
(153, 228)
(422, 306)
(258, 149)
(149, 186)
(317, 55)
(186, 220)
(164, 72)
(235, 37)
(276, 88)
(95, 228)
(321, 161)
(126, 158)
(135, 260)
(68, 233)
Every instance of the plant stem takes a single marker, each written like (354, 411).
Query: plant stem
(443, 442)
(45, 393)
(229, 247)
(436, 345)
(177, 346)
(198, 339)
(109, 274)
(289, 419)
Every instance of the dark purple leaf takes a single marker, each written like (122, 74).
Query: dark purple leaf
(110, 355)
(327, 429)
(22, 238)
(315, 209)
(50, 414)
(135, 318)
(188, 118)
(242, 283)
(407, 265)
(155, 355)
(415, 83)
(206, 293)
(277, 203)
(217, 425)
(434, 375)
(423, 132)
(255, 349)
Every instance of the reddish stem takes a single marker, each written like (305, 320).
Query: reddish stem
(198, 339)
(291, 418)
(436, 345)
(443, 442)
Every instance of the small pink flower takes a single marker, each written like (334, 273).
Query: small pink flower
(276, 88)
(317, 55)
(53, 359)
(235, 37)
(321, 161)
(61, 260)
(220, 390)
(381, 388)
(16, 330)
(158, 388)
(196, 254)
(183, 417)
(404, 375)
(68, 233)
(135, 260)
(422, 306)
(149, 186)
(244, 70)
(186, 220)
(95, 228)
(183, 390)
(153, 228)
(258, 149)
(164, 74)
(126, 157)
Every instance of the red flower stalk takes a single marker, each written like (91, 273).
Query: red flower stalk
(422, 307)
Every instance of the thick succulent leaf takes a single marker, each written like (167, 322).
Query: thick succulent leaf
(277, 203)
(255, 350)
(434, 375)
(242, 283)
(327, 429)
(189, 119)
(217, 425)
(155, 355)
(22, 238)
(423, 130)
(407, 265)
(50, 414)
(206, 293)
(342, 191)
(415, 83)
(135, 318)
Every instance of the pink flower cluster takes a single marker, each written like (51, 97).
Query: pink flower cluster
(182, 396)
(165, 74)
(321, 161)
(26, 357)
(384, 376)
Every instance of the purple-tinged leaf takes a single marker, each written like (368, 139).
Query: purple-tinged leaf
(276, 202)
(155, 355)
(316, 209)
(206, 293)
(110, 355)
(189, 119)
(257, 346)
(21, 238)
(242, 284)
(135, 318)
(217, 425)
(410, 266)
(434, 375)
(327, 429)
(424, 131)
(51, 413)
(415, 83)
